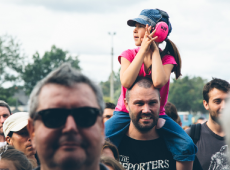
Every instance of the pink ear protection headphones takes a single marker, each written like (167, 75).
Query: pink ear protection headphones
(161, 31)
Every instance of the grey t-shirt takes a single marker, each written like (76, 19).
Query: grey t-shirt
(212, 150)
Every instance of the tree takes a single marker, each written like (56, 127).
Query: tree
(11, 61)
(106, 87)
(41, 66)
(11, 64)
(7, 95)
(186, 94)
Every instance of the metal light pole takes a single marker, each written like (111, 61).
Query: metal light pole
(111, 77)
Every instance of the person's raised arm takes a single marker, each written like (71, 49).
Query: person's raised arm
(160, 73)
(130, 70)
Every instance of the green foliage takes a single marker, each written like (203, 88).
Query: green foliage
(14, 70)
(11, 64)
(186, 94)
(6, 94)
(117, 94)
(106, 99)
(11, 61)
(41, 66)
(117, 87)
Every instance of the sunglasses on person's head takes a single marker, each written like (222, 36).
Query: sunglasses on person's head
(56, 117)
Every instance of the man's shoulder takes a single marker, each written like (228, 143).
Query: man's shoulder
(117, 137)
(195, 126)
(195, 132)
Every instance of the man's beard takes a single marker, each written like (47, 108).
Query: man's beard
(215, 116)
(142, 127)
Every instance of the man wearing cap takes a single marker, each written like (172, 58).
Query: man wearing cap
(5, 112)
(16, 134)
(66, 124)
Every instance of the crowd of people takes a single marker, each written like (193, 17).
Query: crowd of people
(68, 126)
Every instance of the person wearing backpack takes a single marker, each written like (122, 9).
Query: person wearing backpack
(209, 137)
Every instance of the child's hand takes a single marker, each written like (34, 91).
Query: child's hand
(148, 39)
(153, 46)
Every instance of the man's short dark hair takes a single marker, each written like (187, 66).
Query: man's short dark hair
(109, 105)
(215, 83)
(4, 104)
(141, 82)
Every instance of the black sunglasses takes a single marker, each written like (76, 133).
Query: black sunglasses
(56, 118)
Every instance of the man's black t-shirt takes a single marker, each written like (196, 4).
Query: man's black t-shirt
(145, 155)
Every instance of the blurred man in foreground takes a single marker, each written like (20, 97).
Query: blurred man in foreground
(66, 124)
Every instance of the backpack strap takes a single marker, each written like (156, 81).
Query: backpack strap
(195, 132)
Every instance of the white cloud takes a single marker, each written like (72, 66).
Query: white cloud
(200, 30)
(80, 6)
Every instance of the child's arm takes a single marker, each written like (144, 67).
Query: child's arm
(129, 70)
(160, 73)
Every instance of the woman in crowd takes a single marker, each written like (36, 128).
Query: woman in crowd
(13, 159)
(110, 150)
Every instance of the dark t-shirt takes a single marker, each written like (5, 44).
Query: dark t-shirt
(145, 155)
(211, 150)
(102, 167)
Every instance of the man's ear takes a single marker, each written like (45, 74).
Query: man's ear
(206, 106)
(126, 104)
(8, 140)
(30, 128)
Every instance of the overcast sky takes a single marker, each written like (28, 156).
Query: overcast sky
(201, 31)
